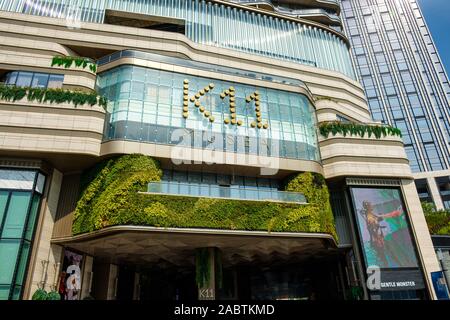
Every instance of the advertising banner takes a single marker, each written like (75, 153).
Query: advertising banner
(383, 228)
(70, 280)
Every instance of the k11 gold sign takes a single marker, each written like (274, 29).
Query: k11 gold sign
(230, 93)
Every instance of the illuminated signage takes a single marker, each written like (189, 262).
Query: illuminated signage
(230, 93)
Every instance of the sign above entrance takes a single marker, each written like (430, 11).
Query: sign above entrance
(230, 93)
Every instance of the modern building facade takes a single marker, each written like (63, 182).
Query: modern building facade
(406, 85)
(198, 150)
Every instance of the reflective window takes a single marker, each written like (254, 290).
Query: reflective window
(410, 86)
(19, 207)
(433, 156)
(34, 79)
(217, 24)
(220, 185)
(147, 105)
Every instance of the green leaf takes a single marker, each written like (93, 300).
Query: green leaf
(109, 196)
(51, 96)
(53, 295)
(353, 129)
(39, 294)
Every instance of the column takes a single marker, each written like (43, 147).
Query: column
(137, 285)
(86, 285)
(425, 247)
(208, 266)
(45, 257)
(113, 280)
(435, 194)
(104, 282)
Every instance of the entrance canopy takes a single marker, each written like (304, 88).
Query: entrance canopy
(142, 245)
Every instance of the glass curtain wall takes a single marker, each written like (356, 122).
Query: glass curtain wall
(147, 105)
(214, 24)
(20, 197)
(403, 77)
(34, 79)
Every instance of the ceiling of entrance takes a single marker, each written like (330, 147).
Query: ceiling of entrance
(176, 247)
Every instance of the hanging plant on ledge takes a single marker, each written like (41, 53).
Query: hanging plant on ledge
(357, 129)
(67, 62)
(14, 93)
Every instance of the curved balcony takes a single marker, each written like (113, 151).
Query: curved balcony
(222, 69)
(321, 15)
(269, 5)
(362, 149)
(318, 15)
(261, 4)
(282, 37)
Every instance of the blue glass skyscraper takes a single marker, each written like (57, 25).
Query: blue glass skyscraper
(405, 83)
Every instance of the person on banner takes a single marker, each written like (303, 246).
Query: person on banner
(73, 282)
(376, 229)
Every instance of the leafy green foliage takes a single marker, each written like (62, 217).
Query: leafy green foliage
(53, 295)
(67, 62)
(111, 197)
(39, 294)
(48, 95)
(110, 189)
(355, 293)
(317, 216)
(357, 129)
(219, 268)
(203, 267)
(438, 221)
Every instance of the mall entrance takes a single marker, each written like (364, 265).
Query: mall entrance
(146, 263)
(313, 280)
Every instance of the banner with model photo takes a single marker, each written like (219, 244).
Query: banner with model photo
(384, 228)
(70, 280)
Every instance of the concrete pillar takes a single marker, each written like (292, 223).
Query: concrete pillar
(113, 278)
(87, 277)
(207, 263)
(235, 282)
(137, 286)
(427, 254)
(342, 280)
(435, 194)
(104, 281)
(45, 258)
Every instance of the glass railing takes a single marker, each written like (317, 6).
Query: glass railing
(308, 12)
(268, 2)
(300, 12)
(231, 192)
(334, 2)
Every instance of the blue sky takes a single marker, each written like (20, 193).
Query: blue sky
(437, 16)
